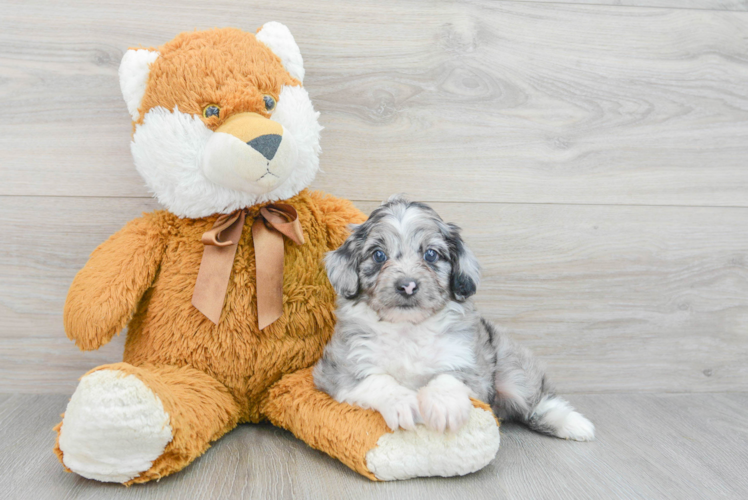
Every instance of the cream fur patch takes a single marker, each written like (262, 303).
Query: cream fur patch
(278, 38)
(230, 163)
(114, 427)
(423, 452)
(133, 77)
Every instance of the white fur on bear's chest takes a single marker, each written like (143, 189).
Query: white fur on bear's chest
(414, 354)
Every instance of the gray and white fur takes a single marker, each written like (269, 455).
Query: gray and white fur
(409, 342)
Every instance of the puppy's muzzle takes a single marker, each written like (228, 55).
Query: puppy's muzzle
(407, 287)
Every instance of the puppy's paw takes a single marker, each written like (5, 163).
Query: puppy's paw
(445, 404)
(401, 410)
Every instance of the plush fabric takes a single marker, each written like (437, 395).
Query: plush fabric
(209, 377)
(98, 427)
(223, 65)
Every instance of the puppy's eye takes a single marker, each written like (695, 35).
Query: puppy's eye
(211, 110)
(379, 256)
(430, 255)
(269, 102)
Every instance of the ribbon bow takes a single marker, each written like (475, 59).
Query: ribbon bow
(221, 242)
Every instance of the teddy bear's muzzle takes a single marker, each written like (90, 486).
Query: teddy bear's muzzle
(249, 153)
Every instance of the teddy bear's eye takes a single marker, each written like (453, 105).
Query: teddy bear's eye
(269, 102)
(211, 110)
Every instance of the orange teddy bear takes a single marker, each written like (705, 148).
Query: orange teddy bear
(226, 138)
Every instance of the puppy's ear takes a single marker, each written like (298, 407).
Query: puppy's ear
(465, 268)
(342, 267)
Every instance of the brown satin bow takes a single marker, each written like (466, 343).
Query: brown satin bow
(221, 242)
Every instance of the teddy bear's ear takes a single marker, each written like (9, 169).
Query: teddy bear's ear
(133, 77)
(279, 39)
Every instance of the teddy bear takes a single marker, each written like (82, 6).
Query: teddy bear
(224, 292)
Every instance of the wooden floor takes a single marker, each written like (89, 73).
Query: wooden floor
(594, 151)
(649, 446)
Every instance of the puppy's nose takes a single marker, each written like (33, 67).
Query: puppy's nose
(267, 145)
(406, 287)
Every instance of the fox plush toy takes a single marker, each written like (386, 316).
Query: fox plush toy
(224, 292)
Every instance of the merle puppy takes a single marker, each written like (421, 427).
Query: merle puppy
(409, 342)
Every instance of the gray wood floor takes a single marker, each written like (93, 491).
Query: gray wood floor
(649, 446)
(595, 152)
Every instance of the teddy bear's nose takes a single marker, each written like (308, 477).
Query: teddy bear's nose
(267, 145)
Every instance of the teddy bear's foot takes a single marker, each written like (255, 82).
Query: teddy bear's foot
(114, 427)
(131, 424)
(425, 452)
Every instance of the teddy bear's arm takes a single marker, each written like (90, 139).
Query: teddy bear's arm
(105, 293)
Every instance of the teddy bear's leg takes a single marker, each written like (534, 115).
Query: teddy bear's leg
(129, 424)
(360, 438)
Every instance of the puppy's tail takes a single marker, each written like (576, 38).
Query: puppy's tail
(524, 394)
(555, 416)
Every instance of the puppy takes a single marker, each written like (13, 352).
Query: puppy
(409, 342)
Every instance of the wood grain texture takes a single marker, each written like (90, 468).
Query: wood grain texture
(611, 297)
(556, 132)
(649, 446)
(487, 101)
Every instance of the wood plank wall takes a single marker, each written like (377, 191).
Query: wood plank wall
(596, 156)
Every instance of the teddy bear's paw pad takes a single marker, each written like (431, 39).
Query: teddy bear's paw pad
(114, 427)
(424, 452)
